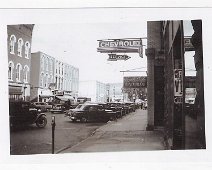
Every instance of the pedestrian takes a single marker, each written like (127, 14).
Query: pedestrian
(141, 105)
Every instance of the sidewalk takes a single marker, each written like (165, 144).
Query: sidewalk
(125, 134)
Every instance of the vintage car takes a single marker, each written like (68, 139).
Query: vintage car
(42, 106)
(90, 112)
(116, 107)
(24, 113)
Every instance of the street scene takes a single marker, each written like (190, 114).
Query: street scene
(125, 91)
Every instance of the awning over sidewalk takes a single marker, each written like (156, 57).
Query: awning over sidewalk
(65, 98)
(15, 90)
(45, 96)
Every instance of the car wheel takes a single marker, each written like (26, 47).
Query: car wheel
(83, 119)
(41, 122)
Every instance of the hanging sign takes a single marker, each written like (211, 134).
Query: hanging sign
(188, 45)
(120, 43)
(135, 82)
(178, 86)
(115, 57)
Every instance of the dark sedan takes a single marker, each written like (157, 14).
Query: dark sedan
(90, 112)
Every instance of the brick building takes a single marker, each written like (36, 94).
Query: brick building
(19, 61)
(166, 83)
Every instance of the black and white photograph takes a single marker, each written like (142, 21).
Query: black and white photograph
(63, 99)
(106, 81)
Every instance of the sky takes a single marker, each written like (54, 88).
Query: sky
(76, 43)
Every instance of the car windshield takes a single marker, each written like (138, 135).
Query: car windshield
(81, 106)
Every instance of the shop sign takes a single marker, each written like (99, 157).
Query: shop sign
(178, 86)
(115, 57)
(188, 45)
(120, 43)
(178, 99)
(135, 82)
(178, 83)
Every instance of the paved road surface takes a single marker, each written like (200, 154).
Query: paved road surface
(32, 140)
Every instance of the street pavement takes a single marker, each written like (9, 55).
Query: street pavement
(126, 134)
(33, 140)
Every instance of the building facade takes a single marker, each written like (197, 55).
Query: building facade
(51, 77)
(115, 92)
(167, 83)
(93, 89)
(135, 87)
(42, 76)
(19, 61)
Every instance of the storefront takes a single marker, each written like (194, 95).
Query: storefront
(15, 93)
(167, 83)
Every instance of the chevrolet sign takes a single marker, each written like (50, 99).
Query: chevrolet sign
(120, 43)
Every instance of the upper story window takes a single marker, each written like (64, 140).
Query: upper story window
(41, 79)
(42, 62)
(56, 66)
(27, 49)
(59, 68)
(12, 44)
(51, 65)
(18, 72)
(46, 80)
(10, 70)
(47, 63)
(26, 73)
(20, 45)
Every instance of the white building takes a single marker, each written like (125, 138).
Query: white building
(115, 93)
(71, 80)
(93, 89)
(50, 76)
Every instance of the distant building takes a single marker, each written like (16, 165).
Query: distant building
(19, 61)
(93, 89)
(115, 92)
(135, 87)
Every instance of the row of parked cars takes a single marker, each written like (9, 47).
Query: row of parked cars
(99, 111)
(22, 112)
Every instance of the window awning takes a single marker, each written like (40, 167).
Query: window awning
(65, 98)
(15, 90)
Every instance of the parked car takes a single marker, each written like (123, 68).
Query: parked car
(90, 112)
(116, 107)
(22, 113)
(131, 106)
(42, 106)
(59, 108)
